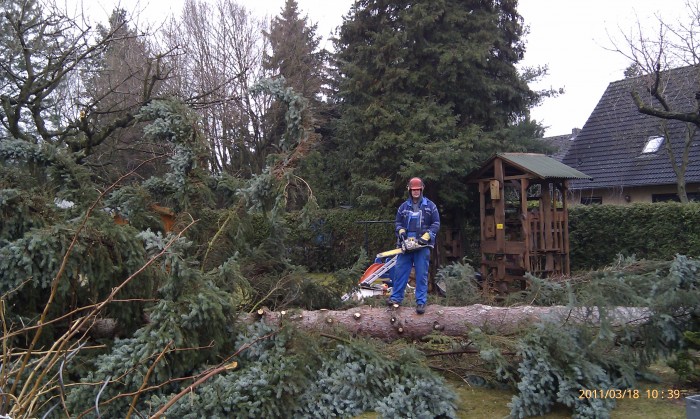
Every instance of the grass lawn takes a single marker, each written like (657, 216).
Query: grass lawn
(488, 403)
(477, 402)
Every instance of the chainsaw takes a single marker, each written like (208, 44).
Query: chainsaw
(384, 262)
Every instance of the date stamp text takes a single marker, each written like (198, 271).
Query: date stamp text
(629, 393)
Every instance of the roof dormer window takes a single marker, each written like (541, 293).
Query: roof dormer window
(653, 144)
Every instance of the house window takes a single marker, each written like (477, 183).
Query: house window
(590, 200)
(653, 144)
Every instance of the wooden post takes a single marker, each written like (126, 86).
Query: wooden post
(567, 259)
(525, 222)
(547, 227)
(500, 218)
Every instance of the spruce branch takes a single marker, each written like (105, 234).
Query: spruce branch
(17, 288)
(144, 384)
(225, 366)
(460, 352)
(72, 314)
(278, 286)
(56, 352)
(338, 338)
(231, 213)
(144, 389)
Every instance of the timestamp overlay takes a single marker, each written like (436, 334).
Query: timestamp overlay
(661, 393)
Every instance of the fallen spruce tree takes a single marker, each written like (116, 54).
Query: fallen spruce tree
(192, 359)
(393, 323)
(599, 330)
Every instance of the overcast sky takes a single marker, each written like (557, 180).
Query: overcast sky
(572, 37)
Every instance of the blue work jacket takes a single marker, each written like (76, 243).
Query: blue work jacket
(417, 223)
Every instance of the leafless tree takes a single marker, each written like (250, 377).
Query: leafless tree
(220, 47)
(673, 44)
(46, 57)
(115, 86)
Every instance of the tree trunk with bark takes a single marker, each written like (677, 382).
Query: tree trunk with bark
(403, 323)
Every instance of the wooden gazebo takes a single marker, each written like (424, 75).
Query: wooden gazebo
(523, 217)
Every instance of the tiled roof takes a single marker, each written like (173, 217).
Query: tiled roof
(560, 144)
(609, 146)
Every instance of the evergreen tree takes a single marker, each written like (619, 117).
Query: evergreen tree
(426, 89)
(296, 57)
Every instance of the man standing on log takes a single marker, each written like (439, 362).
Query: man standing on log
(418, 217)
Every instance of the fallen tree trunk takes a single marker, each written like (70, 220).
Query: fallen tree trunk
(403, 322)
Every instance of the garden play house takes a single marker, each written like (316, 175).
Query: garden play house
(523, 217)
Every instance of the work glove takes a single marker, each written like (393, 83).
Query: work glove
(402, 234)
(424, 239)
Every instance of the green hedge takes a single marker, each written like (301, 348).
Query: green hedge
(335, 238)
(598, 233)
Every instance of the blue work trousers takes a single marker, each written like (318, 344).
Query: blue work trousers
(420, 259)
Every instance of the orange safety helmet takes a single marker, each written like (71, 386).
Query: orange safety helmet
(415, 183)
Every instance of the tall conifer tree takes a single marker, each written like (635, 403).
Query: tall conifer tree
(295, 52)
(421, 84)
(296, 57)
